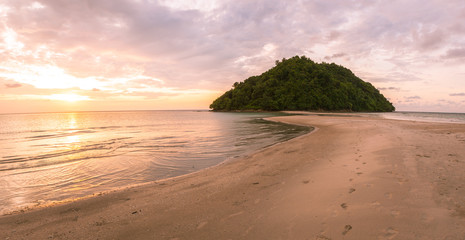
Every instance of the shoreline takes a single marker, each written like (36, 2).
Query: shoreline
(351, 177)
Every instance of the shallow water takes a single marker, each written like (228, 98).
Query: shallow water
(426, 116)
(50, 157)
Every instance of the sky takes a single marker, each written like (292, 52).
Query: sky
(105, 55)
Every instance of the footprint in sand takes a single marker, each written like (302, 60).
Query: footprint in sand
(401, 181)
(389, 233)
(395, 213)
(388, 195)
(334, 213)
(347, 228)
(322, 237)
(100, 223)
(426, 218)
(376, 205)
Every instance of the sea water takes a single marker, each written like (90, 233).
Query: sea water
(437, 117)
(48, 157)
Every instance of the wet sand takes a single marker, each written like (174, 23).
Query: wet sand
(351, 178)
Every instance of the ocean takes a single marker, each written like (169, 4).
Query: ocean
(436, 117)
(51, 157)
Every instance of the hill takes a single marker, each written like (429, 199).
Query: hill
(299, 83)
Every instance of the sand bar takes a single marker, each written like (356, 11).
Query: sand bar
(352, 178)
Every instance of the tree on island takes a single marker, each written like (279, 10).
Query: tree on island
(299, 83)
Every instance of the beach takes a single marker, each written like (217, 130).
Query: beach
(353, 177)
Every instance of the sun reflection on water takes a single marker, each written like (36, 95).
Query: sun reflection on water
(73, 138)
(72, 121)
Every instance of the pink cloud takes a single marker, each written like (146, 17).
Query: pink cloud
(13, 85)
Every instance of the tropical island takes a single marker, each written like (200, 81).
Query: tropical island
(299, 83)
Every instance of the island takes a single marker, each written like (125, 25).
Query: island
(299, 83)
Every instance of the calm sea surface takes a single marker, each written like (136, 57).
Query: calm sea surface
(426, 116)
(48, 157)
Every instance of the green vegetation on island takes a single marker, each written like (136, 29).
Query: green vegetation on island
(299, 83)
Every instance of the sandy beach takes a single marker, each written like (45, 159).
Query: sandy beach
(354, 177)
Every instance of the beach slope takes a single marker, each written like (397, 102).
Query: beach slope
(354, 177)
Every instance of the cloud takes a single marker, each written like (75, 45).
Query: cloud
(12, 85)
(336, 55)
(106, 38)
(109, 38)
(410, 99)
(389, 88)
(395, 76)
(455, 53)
(430, 39)
(413, 97)
(457, 94)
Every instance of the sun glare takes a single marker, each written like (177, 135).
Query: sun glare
(68, 97)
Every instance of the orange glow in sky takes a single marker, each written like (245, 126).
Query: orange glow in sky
(67, 97)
